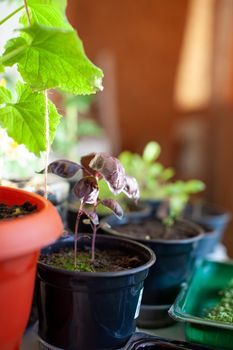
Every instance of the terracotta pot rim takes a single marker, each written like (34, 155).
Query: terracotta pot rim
(19, 236)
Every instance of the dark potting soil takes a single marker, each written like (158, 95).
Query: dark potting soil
(7, 211)
(108, 260)
(154, 229)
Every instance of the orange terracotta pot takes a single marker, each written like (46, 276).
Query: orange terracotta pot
(20, 241)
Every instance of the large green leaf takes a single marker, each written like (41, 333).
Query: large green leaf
(53, 58)
(24, 119)
(5, 95)
(50, 13)
(2, 68)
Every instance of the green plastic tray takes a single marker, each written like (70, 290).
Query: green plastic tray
(197, 297)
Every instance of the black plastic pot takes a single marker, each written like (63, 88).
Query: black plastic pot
(143, 210)
(71, 217)
(143, 341)
(209, 214)
(91, 311)
(154, 205)
(208, 242)
(175, 261)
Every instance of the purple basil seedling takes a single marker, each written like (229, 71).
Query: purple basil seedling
(94, 167)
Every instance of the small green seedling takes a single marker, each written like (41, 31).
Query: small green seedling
(155, 182)
(177, 196)
(151, 175)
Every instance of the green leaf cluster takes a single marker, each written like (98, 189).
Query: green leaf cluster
(49, 55)
(177, 194)
(155, 181)
(151, 175)
(50, 13)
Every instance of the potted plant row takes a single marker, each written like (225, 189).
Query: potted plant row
(81, 290)
(178, 243)
(154, 182)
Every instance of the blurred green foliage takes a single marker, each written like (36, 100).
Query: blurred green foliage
(155, 181)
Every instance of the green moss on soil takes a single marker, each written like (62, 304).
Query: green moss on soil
(105, 261)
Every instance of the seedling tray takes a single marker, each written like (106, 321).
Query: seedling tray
(197, 298)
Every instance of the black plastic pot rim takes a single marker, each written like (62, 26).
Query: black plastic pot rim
(156, 306)
(222, 214)
(219, 211)
(114, 274)
(152, 200)
(106, 227)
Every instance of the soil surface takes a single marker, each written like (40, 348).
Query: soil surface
(16, 210)
(154, 229)
(105, 260)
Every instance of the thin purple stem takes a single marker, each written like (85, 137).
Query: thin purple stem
(93, 243)
(94, 231)
(80, 212)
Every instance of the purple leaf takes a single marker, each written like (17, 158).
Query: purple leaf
(114, 206)
(111, 169)
(93, 217)
(63, 168)
(85, 161)
(131, 188)
(87, 190)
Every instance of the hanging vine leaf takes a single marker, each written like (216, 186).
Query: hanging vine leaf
(53, 58)
(47, 12)
(24, 119)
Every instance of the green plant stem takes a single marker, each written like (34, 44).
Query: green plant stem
(20, 49)
(47, 138)
(12, 54)
(27, 11)
(11, 14)
(47, 142)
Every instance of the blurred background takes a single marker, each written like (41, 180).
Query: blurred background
(168, 68)
(168, 77)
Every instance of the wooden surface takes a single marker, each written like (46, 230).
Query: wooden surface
(138, 43)
(145, 38)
